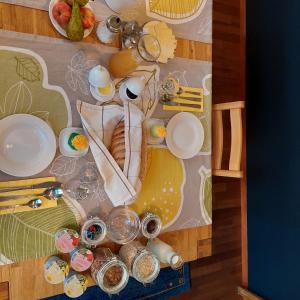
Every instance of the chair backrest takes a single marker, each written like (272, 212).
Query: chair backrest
(234, 168)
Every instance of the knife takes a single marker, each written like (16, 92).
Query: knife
(46, 185)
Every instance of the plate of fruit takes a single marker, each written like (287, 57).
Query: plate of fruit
(73, 19)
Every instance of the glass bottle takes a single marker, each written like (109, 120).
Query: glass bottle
(165, 253)
(109, 272)
(126, 61)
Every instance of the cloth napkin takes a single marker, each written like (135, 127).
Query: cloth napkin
(99, 122)
(27, 193)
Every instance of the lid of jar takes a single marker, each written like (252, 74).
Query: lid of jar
(145, 267)
(112, 276)
(123, 225)
(81, 259)
(55, 270)
(66, 240)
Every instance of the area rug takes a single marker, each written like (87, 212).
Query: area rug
(169, 283)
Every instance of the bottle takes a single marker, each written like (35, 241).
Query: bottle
(165, 253)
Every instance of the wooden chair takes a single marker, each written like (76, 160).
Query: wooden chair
(234, 169)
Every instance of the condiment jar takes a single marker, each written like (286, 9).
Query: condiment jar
(150, 225)
(141, 263)
(108, 29)
(75, 285)
(109, 272)
(81, 259)
(93, 232)
(66, 240)
(165, 253)
(55, 270)
(123, 225)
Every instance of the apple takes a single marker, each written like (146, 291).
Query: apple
(62, 13)
(87, 17)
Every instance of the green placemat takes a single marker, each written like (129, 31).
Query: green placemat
(29, 235)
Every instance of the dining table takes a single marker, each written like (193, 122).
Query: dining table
(24, 280)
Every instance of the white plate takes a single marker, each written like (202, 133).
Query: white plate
(27, 145)
(58, 27)
(185, 135)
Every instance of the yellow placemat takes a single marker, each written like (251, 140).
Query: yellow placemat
(28, 195)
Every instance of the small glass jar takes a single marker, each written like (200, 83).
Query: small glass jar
(150, 225)
(123, 225)
(66, 240)
(81, 259)
(109, 272)
(75, 285)
(93, 232)
(141, 263)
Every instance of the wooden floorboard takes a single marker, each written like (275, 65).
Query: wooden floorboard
(218, 277)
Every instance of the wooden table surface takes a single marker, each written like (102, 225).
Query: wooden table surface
(24, 281)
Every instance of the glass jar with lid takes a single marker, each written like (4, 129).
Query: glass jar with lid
(109, 272)
(93, 232)
(123, 225)
(150, 225)
(141, 263)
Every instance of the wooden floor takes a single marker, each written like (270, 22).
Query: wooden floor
(218, 276)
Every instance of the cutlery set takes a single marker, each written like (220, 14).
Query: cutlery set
(19, 196)
(176, 97)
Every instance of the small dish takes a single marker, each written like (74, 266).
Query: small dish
(27, 145)
(61, 30)
(185, 135)
(152, 140)
(64, 146)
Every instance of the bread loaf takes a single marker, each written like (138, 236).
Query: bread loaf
(117, 148)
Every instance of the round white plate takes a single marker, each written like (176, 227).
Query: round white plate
(185, 135)
(27, 145)
(58, 27)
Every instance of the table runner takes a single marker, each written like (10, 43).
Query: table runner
(178, 190)
(201, 26)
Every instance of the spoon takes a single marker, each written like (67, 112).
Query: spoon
(34, 203)
(53, 193)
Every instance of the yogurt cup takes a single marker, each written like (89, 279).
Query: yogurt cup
(55, 270)
(66, 240)
(81, 259)
(75, 285)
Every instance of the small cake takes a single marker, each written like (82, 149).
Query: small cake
(73, 142)
(158, 131)
(77, 141)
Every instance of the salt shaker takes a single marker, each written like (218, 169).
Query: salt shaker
(165, 253)
(108, 29)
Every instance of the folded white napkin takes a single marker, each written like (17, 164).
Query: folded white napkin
(99, 123)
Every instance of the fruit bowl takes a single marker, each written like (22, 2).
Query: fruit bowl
(58, 27)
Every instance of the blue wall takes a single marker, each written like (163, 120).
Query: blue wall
(273, 147)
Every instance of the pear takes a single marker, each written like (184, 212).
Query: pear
(80, 2)
(75, 30)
